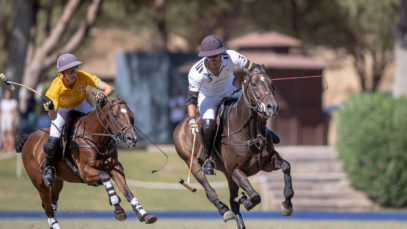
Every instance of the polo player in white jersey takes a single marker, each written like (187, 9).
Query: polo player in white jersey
(210, 80)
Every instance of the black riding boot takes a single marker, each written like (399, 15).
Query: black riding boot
(273, 135)
(208, 130)
(51, 147)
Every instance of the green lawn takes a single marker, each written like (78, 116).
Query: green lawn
(20, 194)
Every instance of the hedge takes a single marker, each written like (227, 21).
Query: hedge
(372, 144)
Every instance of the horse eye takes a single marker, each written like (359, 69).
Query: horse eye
(254, 84)
(115, 117)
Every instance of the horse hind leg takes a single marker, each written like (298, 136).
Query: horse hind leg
(118, 176)
(114, 199)
(286, 205)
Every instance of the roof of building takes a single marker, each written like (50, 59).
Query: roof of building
(264, 39)
(275, 60)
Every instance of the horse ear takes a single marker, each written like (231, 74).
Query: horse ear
(239, 77)
(119, 98)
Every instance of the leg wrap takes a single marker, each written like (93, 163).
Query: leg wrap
(113, 197)
(208, 130)
(137, 208)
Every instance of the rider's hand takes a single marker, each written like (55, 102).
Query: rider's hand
(193, 125)
(47, 103)
(101, 98)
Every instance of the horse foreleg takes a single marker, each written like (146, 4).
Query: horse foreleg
(119, 178)
(280, 163)
(234, 204)
(241, 179)
(45, 194)
(223, 209)
(114, 199)
(55, 190)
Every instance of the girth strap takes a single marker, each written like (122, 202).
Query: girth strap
(259, 141)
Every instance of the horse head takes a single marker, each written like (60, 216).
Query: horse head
(258, 91)
(120, 121)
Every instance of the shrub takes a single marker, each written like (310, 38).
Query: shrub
(372, 144)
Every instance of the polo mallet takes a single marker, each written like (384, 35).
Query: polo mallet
(11, 84)
(181, 181)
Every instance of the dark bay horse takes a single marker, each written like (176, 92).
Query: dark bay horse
(92, 146)
(242, 147)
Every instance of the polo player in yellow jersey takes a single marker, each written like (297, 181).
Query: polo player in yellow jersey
(67, 92)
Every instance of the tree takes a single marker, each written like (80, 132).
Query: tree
(400, 53)
(24, 12)
(44, 46)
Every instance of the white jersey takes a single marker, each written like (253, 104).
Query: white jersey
(202, 80)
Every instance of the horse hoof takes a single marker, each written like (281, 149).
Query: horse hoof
(120, 215)
(228, 216)
(286, 211)
(149, 219)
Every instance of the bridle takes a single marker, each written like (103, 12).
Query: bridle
(119, 134)
(259, 106)
(116, 135)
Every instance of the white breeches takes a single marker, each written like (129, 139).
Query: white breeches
(58, 123)
(208, 106)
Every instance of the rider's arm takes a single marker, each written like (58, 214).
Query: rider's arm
(106, 88)
(192, 101)
(52, 114)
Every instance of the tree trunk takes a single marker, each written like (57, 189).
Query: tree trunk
(400, 53)
(24, 11)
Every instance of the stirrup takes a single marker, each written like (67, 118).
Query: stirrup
(208, 167)
(49, 176)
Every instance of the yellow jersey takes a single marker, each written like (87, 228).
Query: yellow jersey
(66, 97)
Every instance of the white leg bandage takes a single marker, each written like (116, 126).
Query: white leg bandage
(138, 206)
(113, 198)
(53, 223)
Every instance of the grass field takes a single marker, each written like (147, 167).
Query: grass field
(203, 224)
(20, 194)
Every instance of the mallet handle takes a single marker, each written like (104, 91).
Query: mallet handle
(22, 85)
(192, 157)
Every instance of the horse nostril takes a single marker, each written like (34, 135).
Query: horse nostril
(269, 107)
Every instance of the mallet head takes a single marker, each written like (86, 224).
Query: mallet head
(4, 79)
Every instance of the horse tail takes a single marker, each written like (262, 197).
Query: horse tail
(20, 144)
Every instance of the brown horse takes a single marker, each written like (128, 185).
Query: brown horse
(91, 158)
(242, 147)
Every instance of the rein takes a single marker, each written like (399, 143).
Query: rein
(114, 138)
(259, 140)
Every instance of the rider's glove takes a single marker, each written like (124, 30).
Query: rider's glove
(193, 125)
(48, 104)
(101, 98)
